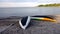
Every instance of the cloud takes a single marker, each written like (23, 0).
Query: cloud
(17, 0)
(4, 0)
(22, 4)
(39, 1)
(48, 1)
(25, 3)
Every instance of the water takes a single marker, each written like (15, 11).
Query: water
(28, 11)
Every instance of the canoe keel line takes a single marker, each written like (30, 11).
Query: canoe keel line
(24, 22)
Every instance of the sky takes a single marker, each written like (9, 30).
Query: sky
(25, 3)
(39, 1)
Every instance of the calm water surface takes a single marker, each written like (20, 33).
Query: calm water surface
(25, 11)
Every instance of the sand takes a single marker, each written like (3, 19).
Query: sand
(11, 26)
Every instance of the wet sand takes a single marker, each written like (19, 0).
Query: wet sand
(11, 26)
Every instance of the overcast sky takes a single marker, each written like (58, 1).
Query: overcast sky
(39, 1)
(24, 3)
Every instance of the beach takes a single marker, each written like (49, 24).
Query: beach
(11, 26)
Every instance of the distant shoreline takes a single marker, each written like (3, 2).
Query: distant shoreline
(50, 5)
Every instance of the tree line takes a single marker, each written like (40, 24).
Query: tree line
(50, 5)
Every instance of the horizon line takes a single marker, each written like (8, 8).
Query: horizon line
(20, 4)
